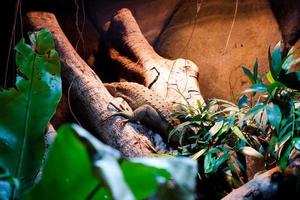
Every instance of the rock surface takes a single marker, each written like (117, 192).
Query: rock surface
(207, 39)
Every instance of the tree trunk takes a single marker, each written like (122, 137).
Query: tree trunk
(136, 61)
(91, 98)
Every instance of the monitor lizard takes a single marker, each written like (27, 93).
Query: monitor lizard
(148, 108)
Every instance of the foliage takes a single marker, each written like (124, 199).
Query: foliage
(77, 166)
(277, 106)
(213, 134)
(33, 99)
(81, 167)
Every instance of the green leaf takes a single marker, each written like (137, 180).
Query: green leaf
(270, 77)
(258, 87)
(242, 101)
(222, 159)
(216, 127)
(288, 61)
(27, 108)
(284, 159)
(105, 160)
(249, 151)
(248, 74)
(275, 61)
(297, 143)
(255, 70)
(239, 133)
(68, 169)
(182, 170)
(254, 110)
(274, 115)
(199, 154)
(209, 162)
(274, 86)
(91, 169)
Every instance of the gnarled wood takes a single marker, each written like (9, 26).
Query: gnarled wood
(273, 184)
(92, 99)
(138, 62)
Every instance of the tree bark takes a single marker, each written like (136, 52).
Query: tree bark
(273, 184)
(137, 61)
(91, 98)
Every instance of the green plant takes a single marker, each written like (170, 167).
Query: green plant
(275, 96)
(33, 99)
(77, 165)
(81, 167)
(213, 134)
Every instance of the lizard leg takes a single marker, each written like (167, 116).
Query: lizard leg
(150, 117)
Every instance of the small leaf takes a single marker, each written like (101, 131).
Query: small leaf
(297, 143)
(276, 61)
(259, 87)
(216, 127)
(254, 110)
(249, 151)
(270, 77)
(239, 133)
(274, 86)
(248, 74)
(255, 70)
(284, 159)
(223, 158)
(199, 154)
(274, 115)
(242, 101)
(288, 61)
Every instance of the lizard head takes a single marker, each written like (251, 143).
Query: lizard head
(115, 89)
(111, 87)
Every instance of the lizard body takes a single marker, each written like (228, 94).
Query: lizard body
(149, 108)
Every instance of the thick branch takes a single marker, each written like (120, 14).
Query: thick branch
(165, 77)
(91, 97)
(272, 184)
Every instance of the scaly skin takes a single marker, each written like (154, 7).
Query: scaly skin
(149, 108)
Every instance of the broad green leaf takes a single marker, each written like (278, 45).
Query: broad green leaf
(276, 61)
(68, 171)
(88, 169)
(274, 115)
(248, 74)
(27, 108)
(182, 170)
(239, 133)
(105, 160)
(258, 87)
(249, 151)
(135, 172)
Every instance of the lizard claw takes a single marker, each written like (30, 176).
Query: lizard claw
(123, 121)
